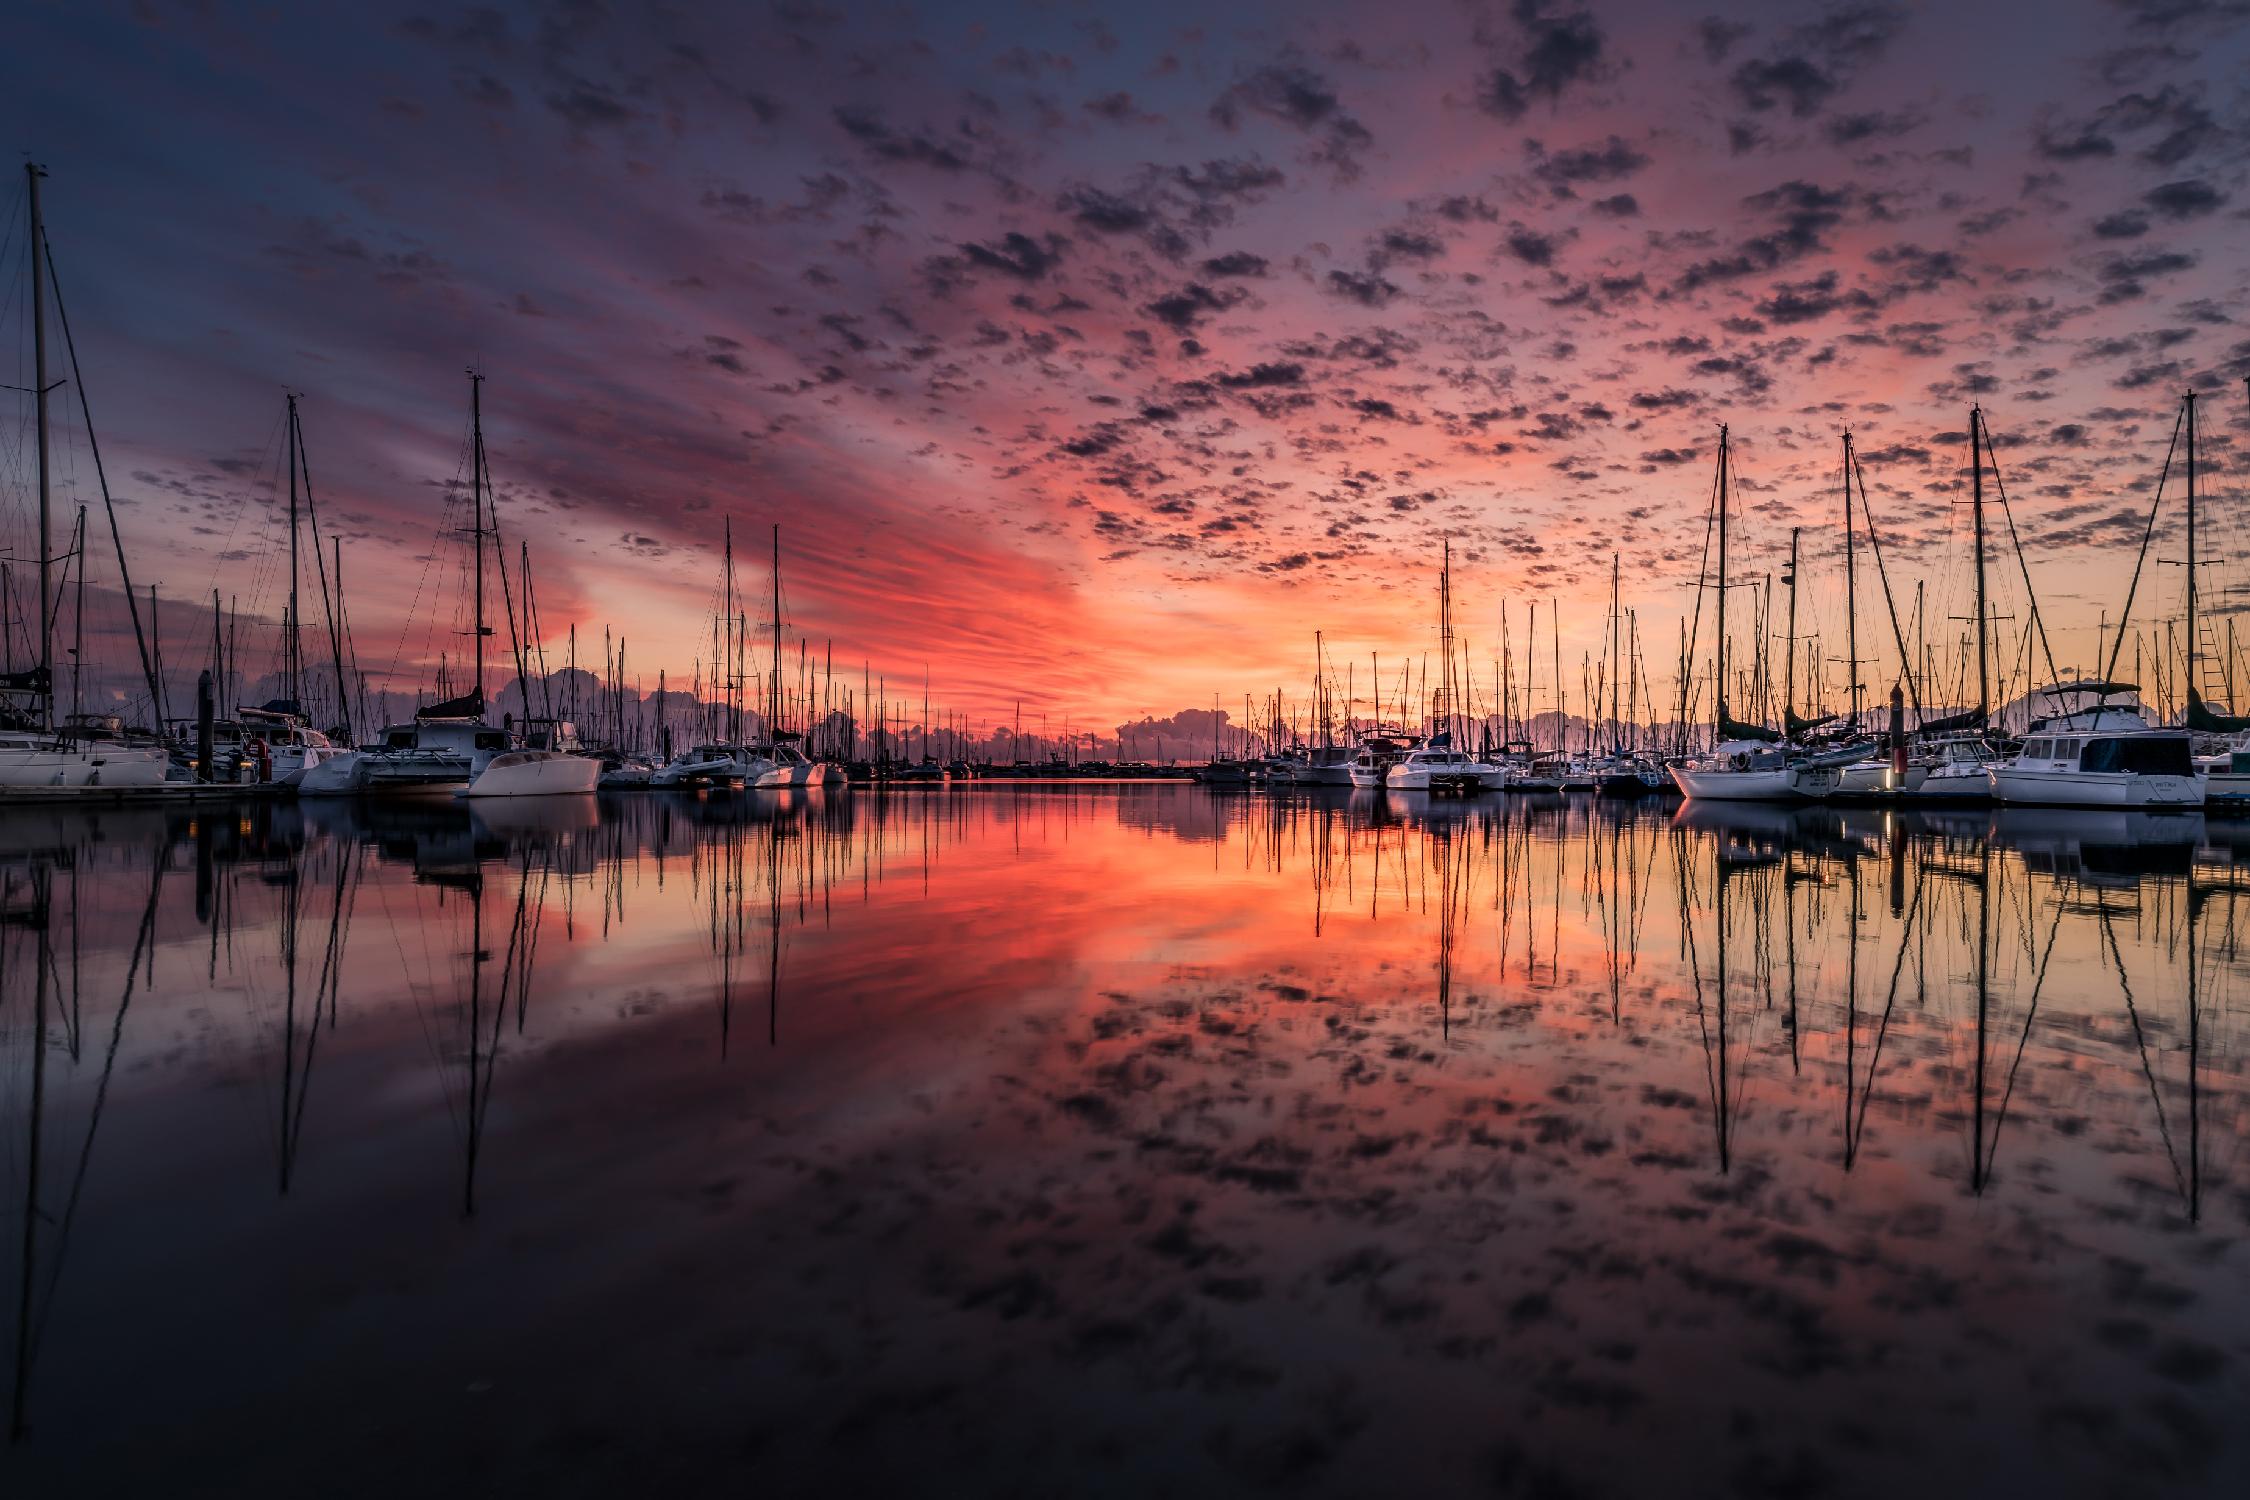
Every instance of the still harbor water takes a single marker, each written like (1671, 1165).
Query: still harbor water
(1136, 1140)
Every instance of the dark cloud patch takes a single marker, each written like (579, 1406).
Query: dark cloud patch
(1816, 61)
(2188, 199)
(1914, 269)
(589, 106)
(1610, 160)
(2173, 122)
(2125, 225)
(1367, 288)
(1235, 263)
(1263, 376)
(1668, 399)
(879, 140)
(1016, 255)
(1617, 206)
(1406, 244)
(1541, 57)
(1184, 309)
(2126, 276)
(1530, 246)
(1810, 301)
(1298, 97)
(1873, 125)
(1799, 215)
(1229, 178)
(1106, 212)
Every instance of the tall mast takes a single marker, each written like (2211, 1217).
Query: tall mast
(293, 643)
(1720, 682)
(770, 728)
(476, 525)
(1616, 654)
(726, 654)
(1789, 658)
(1976, 507)
(1851, 590)
(32, 174)
(2194, 688)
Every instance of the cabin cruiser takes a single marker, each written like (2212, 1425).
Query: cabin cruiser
(1325, 765)
(925, 772)
(786, 767)
(548, 761)
(711, 765)
(2226, 779)
(1224, 773)
(1436, 764)
(292, 746)
(439, 750)
(1745, 770)
(2107, 755)
(1956, 768)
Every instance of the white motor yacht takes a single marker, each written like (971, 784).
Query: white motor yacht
(1326, 765)
(548, 762)
(711, 765)
(1436, 762)
(1957, 768)
(2106, 755)
(785, 767)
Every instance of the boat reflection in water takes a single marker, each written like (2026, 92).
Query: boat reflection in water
(1031, 1131)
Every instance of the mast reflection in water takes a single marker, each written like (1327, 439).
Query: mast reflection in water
(1144, 1136)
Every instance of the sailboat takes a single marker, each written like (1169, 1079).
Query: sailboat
(89, 753)
(1956, 754)
(1328, 763)
(1748, 763)
(788, 767)
(2096, 748)
(720, 761)
(1435, 764)
(277, 736)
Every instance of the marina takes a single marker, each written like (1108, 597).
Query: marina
(1337, 1139)
(1491, 749)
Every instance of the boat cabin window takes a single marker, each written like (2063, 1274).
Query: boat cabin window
(2035, 750)
(491, 739)
(400, 739)
(2155, 755)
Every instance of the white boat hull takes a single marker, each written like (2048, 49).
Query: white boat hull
(1777, 785)
(1946, 784)
(535, 773)
(90, 767)
(2095, 789)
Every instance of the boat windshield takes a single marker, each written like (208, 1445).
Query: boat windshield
(2152, 755)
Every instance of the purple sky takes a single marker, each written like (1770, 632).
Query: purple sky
(1097, 356)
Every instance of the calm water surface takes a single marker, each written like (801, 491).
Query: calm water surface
(1135, 1140)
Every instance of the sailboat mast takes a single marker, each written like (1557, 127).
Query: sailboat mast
(1616, 654)
(770, 728)
(293, 645)
(32, 175)
(1976, 506)
(2194, 687)
(1789, 658)
(1851, 589)
(476, 525)
(1720, 681)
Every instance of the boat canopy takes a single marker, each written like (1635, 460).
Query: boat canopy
(1798, 724)
(1735, 729)
(2205, 719)
(469, 705)
(1952, 723)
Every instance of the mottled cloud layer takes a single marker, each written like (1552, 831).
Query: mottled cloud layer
(1098, 358)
